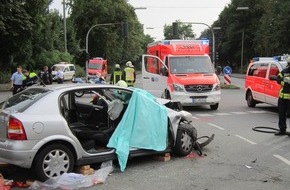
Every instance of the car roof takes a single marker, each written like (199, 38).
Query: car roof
(63, 64)
(76, 86)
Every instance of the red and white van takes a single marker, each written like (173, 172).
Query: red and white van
(261, 80)
(181, 70)
(97, 67)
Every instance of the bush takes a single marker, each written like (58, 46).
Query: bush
(5, 77)
(80, 72)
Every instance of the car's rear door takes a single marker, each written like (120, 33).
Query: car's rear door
(260, 81)
(272, 88)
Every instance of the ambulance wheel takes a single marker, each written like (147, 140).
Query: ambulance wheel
(214, 107)
(184, 143)
(250, 100)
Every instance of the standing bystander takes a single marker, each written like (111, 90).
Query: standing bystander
(29, 78)
(59, 76)
(45, 76)
(16, 80)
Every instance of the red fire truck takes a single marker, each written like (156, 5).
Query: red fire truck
(181, 70)
(97, 67)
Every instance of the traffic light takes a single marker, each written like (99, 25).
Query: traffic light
(125, 29)
(175, 28)
(217, 55)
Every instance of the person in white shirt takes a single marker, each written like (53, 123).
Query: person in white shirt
(59, 76)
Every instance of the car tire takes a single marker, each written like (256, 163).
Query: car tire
(184, 143)
(52, 161)
(250, 100)
(214, 107)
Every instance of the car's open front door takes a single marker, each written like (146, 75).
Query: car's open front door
(154, 75)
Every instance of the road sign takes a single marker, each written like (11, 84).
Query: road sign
(227, 70)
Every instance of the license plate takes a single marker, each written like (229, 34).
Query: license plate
(199, 100)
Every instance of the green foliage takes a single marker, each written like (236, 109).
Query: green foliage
(105, 38)
(50, 58)
(80, 71)
(184, 31)
(5, 77)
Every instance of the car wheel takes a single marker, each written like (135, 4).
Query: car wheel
(214, 107)
(52, 161)
(250, 100)
(184, 143)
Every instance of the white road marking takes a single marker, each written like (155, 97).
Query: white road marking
(247, 140)
(257, 111)
(218, 127)
(239, 112)
(282, 159)
(204, 115)
(222, 114)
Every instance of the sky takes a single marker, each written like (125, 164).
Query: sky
(161, 12)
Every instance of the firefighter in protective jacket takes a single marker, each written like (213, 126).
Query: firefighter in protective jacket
(129, 74)
(284, 98)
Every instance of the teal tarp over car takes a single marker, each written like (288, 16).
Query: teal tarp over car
(143, 125)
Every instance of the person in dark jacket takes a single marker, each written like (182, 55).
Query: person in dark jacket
(45, 76)
(116, 75)
(29, 78)
(284, 98)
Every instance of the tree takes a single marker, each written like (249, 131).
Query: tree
(15, 32)
(108, 41)
(184, 31)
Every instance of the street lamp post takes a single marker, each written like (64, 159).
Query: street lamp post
(64, 25)
(213, 39)
(87, 44)
(243, 36)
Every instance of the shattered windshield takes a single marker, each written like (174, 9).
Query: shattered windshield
(190, 65)
(23, 100)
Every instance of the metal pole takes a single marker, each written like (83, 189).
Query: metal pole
(213, 39)
(64, 26)
(87, 44)
(242, 52)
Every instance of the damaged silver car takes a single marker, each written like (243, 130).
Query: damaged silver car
(51, 130)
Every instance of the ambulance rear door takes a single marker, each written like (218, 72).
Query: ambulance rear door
(154, 75)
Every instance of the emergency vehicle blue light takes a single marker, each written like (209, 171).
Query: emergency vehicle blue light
(204, 41)
(256, 59)
(166, 42)
(277, 58)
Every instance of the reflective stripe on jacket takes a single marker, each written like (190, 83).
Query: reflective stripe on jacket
(129, 75)
(285, 87)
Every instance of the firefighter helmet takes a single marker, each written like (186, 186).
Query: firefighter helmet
(117, 66)
(121, 83)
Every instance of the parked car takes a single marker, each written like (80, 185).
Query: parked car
(50, 130)
(69, 70)
(261, 80)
